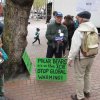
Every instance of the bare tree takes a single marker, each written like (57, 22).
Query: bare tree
(15, 32)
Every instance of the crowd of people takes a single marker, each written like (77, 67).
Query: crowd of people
(66, 26)
(80, 37)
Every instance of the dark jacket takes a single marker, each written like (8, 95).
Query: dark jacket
(71, 28)
(1, 28)
(52, 32)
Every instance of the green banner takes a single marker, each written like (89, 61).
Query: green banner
(52, 69)
(27, 62)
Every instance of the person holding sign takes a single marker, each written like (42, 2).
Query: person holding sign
(82, 62)
(56, 35)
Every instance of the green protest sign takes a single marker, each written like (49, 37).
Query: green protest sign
(52, 69)
(27, 62)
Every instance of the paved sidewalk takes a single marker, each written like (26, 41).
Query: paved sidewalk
(32, 89)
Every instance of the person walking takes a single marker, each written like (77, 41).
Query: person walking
(37, 36)
(56, 35)
(82, 63)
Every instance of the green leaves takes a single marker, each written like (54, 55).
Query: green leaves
(38, 4)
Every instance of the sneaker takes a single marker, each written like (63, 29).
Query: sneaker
(87, 95)
(74, 97)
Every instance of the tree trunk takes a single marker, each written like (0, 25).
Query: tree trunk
(14, 36)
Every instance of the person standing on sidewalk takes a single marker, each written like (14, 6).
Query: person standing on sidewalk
(37, 36)
(56, 35)
(69, 23)
(3, 57)
(82, 64)
(52, 20)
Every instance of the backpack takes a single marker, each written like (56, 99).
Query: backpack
(90, 43)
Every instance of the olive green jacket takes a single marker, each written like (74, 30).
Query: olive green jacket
(52, 32)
